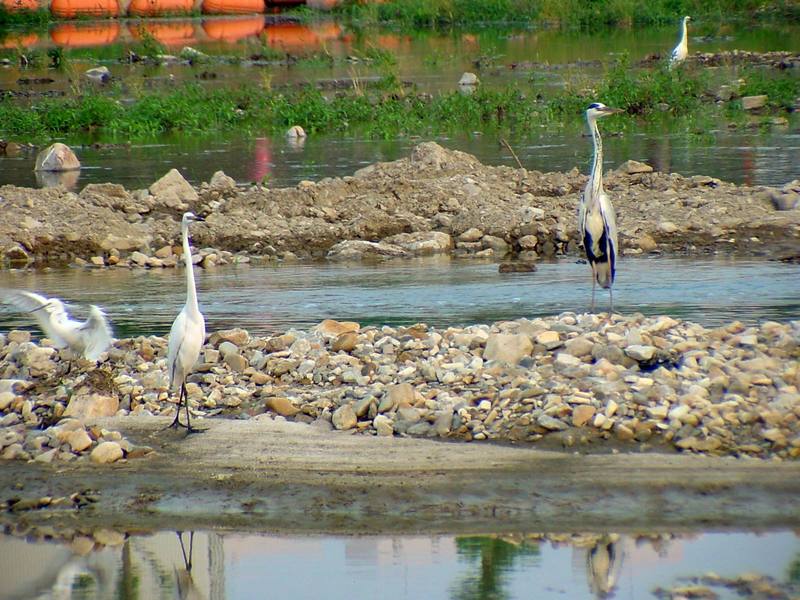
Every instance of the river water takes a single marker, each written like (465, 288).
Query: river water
(437, 291)
(243, 566)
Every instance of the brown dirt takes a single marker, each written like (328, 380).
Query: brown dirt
(433, 189)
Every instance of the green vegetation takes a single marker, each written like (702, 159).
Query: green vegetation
(14, 18)
(383, 109)
(565, 13)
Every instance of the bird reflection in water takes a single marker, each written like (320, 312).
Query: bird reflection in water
(603, 564)
(185, 587)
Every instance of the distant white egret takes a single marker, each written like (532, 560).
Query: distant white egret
(681, 51)
(90, 338)
(597, 220)
(188, 332)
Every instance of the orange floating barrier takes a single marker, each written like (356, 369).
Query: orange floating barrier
(13, 5)
(233, 7)
(69, 9)
(77, 35)
(158, 8)
(231, 30)
(293, 36)
(169, 33)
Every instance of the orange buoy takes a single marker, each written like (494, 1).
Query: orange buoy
(14, 5)
(169, 33)
(79, 35)
(231, 30)
(159, 8)
(69, 9)
(233, 7)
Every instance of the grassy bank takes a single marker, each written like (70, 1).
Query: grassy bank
(383, 110)
(564, 13)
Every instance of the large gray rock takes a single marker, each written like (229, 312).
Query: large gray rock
(508, 347)
(359, 249)
(422, 242)
(753, 102)
(173, 191)
(57, 157)
(88, 406)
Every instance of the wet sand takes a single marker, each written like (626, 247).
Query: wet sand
(264, 475)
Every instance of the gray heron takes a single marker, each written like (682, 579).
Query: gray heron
(89, 338)
(187, 334)
(597, 220)
(681, 51)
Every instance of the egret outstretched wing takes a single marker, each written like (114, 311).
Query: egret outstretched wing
(49, 313)
(96, 333)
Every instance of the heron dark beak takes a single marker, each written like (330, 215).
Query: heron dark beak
(43, 306)
(198, 218)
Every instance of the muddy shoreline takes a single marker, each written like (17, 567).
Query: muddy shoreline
(435, 201)
(288, 477)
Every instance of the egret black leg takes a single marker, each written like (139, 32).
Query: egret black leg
(189, 428)
(177, 422)
(611, 302)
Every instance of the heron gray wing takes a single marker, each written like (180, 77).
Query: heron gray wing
(96, 333)
(46, 313)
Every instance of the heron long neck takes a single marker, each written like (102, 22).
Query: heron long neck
(683, 33)
(596, 176)
(191, 292)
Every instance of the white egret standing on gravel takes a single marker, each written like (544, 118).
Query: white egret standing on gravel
(188, 332)
(597, 220)
(89, 338)
(681, 51)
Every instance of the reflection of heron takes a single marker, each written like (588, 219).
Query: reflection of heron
(90, 338)
(681, 51)
(188, 332)
(186, 587)
(597, 221)
(603, 562)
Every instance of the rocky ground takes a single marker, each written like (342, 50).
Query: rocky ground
(580, 382)
(435, 201)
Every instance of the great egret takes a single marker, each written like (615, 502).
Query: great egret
(597, 220)
(90, 338)
(188, 332)
(681, 51)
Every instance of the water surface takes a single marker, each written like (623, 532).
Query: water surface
(437, 291)
(243, 566)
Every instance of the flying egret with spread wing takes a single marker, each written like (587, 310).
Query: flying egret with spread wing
(89, 338)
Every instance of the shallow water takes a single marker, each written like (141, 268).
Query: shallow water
(754, 157)
(437, 291)
(242, 566)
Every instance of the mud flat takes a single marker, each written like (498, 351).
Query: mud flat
(264, 475)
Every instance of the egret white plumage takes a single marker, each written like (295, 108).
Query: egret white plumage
(188, 332)
(89, 338)
(681, 51)
(597, 220)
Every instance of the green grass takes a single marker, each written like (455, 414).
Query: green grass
(15, 18)
(585, 14)
(381, 110)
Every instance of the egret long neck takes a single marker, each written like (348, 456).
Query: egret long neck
(191, 292)
(596, 176)
(683, 33)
